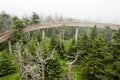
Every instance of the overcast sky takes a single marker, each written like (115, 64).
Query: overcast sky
(97, 10)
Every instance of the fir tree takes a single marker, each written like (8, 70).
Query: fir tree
(6, 66)
(73, 48)
(26, 21)
(18, 24)
(113, 71)
(83, 46)
(94, 61)
(35, 18)
(94, 33)
(58, 45)
(53, 69)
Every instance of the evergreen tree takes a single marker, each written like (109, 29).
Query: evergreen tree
(49, 18)
(18, 24)
(94, 61)
(60, 49)
(94, 33)
(26, 21)
(53, 69)
(35, 18)
(73, 48)
(6, 66)
(107, 33)
(58, 45)
(54, 42)
(83, 46)
(113, 71)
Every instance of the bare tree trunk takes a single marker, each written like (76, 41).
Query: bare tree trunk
(70, 65)
(43, 71)
(20, 60)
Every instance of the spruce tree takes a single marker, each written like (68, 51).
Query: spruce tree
(58, 45)
(53, 69)
(35, 18)
(94, 33)
(113, 71)
(6, 66)
(54, 42)
(83, 46)
(18, 24)
(73, 48)
(94, 61)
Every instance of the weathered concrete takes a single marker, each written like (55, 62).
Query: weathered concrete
(6, 35)
(43, 34)
(10, 47)
(76, 34)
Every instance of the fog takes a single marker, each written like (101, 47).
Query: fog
(93, 10)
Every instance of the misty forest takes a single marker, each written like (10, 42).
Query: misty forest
(57, 53)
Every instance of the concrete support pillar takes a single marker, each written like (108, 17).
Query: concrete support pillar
(10, 47)
(43, 34)
(76, 34)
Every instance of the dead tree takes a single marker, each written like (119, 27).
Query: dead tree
(70, 65)
(32, 67)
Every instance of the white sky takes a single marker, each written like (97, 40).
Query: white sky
(96, 10)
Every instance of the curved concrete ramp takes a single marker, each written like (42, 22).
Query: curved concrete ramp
(6, 35)
(69, 23)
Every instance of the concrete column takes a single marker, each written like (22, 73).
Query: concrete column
(10, 47)
(43, 34)
(76, 34)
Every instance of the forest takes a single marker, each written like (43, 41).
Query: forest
(95, 55)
